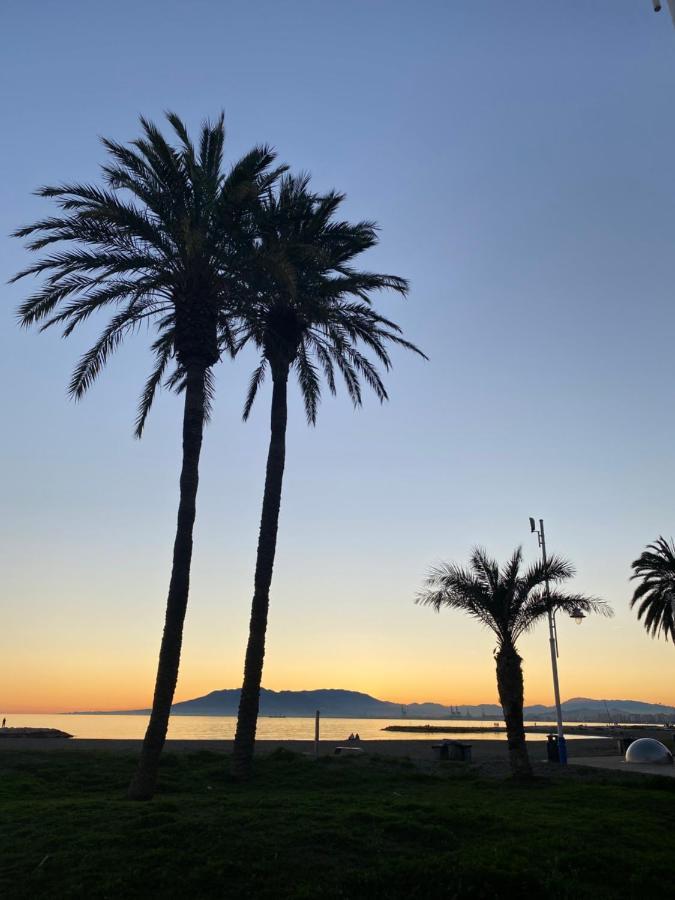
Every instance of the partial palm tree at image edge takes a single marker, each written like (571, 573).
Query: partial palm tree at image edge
(654, 597)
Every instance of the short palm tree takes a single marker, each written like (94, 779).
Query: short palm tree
(161, 242)
(509, 601)
(313, 313)
(655, 595)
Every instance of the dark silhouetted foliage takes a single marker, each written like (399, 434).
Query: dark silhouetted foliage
(165, 243)
(314, 318)
(654, 597)
(509, 601)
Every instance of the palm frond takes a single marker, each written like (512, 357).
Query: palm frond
(163, 349)
(257, 379)
(508, 602)
(310, 385)
(536, 608)
(93, 361)
(556, 571)
(167, 239)
(452, 587)
(314, 311)
(209, 394)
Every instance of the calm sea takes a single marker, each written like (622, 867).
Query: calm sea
(222, 727)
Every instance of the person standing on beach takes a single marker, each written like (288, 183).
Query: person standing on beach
(3, 722)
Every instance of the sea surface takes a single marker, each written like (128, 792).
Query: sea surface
(276, 728)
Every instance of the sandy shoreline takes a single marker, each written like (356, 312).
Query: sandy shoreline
(414, 749)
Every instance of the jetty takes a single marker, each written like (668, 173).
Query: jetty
(606, 731)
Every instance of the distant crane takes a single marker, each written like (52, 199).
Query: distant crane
(607, 712)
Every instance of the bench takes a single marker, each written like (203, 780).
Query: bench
(348, 751)
(453, 750)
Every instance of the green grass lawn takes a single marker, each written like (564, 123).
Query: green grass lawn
(335, 828)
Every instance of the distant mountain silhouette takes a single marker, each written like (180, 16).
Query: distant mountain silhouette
(353, 704)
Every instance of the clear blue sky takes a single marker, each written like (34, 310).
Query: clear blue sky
(519, 159)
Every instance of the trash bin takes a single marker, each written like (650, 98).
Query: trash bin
(552, 748)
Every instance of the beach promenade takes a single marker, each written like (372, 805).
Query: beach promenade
(482, 750)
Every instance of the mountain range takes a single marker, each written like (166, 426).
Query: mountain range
(353, 704)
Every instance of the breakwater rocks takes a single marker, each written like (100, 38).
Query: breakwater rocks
(33, 733)
(445, 729)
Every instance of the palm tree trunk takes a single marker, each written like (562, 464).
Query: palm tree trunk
(142, 786)
(249, 701)
(511, 696)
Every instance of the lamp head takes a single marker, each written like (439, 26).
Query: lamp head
(533, 526)
(578, 615)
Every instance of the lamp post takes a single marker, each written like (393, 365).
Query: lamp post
(553, 641)
(671, 6)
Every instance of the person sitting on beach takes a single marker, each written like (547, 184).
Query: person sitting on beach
(351, 737)
(357, 737)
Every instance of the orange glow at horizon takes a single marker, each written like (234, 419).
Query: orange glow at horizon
(86, 684)
(67, 654)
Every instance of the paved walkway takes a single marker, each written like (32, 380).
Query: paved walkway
(482, 751)
(618, 764)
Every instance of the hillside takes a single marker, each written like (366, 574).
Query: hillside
(353, 704)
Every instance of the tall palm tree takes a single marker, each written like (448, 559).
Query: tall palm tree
(161, 242)
(509, 601)
(313, 311)
(655, 596)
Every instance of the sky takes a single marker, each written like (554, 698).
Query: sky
(518, 159)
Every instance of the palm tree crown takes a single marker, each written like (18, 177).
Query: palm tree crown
(160, 243)
(655, 596)
(509, 600)
(313, 309)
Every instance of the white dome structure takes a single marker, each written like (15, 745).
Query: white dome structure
(650, 751)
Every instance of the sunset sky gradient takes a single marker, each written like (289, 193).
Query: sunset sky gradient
(519, 160)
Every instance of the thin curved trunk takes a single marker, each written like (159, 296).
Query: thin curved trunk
(511, 696)
(142, 786)
(244, 741)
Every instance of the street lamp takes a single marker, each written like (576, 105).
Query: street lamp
(671, 6)
(578, 616)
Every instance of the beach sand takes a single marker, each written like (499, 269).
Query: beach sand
(482, 750)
